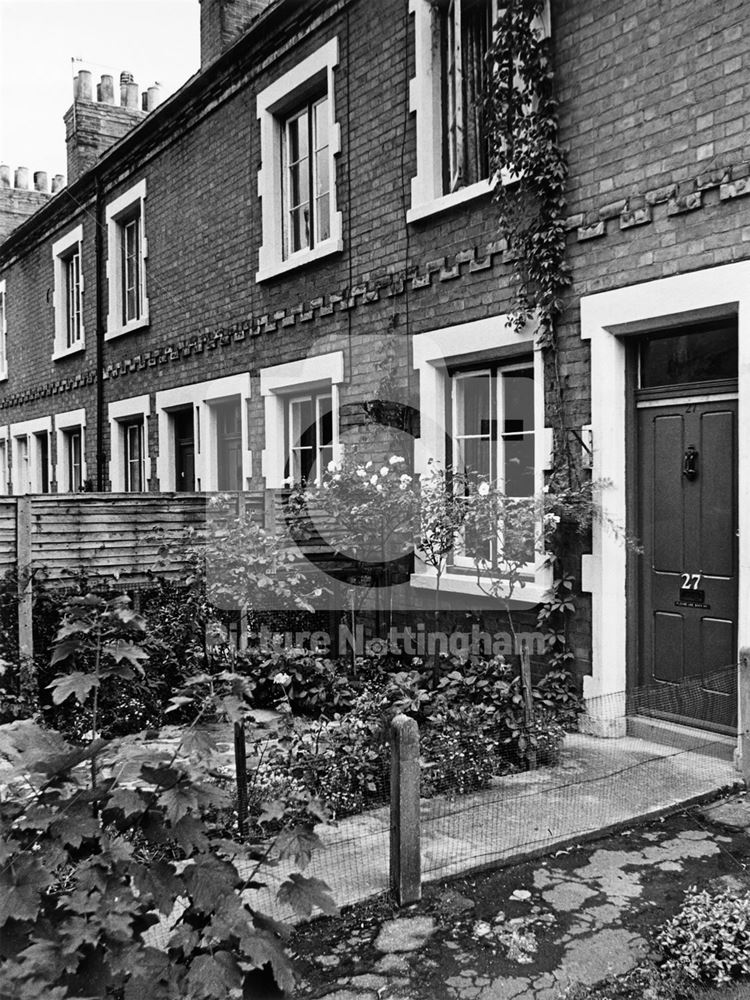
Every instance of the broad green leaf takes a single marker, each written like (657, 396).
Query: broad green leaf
(304, 894)
(64, 650)
(127, 801)
(190, 834)
(198, 742)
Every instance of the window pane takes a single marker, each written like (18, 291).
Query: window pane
(519, 465)
(473, 456)
(321, 173)
(325, 418)
(474, 406)
(321, 123)
(518, 392)
(324, 218)
(698, 356)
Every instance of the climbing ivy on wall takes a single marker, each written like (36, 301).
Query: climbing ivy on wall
(521, 121)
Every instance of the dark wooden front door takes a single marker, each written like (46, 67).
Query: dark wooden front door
(184, 450)
(687, 507)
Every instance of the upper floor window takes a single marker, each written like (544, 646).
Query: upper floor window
(306, 194)
(299, 139)
(465, 29)
(126, 262)
(68, 295)
(3, 334)
(452, 38)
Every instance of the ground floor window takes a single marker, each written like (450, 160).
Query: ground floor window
(309, 435)
(135, 476)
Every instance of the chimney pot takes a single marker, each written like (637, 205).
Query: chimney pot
(84, 92)
(22, 178)
(131, 96)
(105, 91)
(153, 97)
(4, 175)
(125, 79)
(58, 181)
(40, 180)
(144, 100)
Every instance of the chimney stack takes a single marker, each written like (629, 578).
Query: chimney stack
(222, 23)
(18, 201)
(92, 126)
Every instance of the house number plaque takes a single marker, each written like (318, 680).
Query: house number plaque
(691, 593)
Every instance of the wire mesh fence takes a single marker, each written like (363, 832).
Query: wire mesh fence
(488, 797)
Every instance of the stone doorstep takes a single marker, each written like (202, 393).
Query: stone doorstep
(671, 734)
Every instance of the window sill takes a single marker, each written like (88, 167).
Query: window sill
(531, 594)
(3, 376)
(131, 327)
(65, 352)
(299, 259)
(428, 208)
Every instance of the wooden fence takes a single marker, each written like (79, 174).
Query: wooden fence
(107, 535)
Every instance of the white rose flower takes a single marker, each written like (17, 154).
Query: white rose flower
(282, 679)
(483, 489)
(373, 480)
(384, 470)
(332, 466)
(396, 460)
(405, 478)
(361, 473)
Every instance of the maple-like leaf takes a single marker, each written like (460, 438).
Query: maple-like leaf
(125, 649)
(127, 801)
(178, 801)
(304, 894)
(259, 948)
(274, 809)
(158, 881)
(213, 976)
(190, 834)
(77, 683)
(21, 883)
(208, 880)
(298, 844)
(198, 742)
(63, 650)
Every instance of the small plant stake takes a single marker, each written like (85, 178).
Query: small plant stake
(406, 876)
(528, 702)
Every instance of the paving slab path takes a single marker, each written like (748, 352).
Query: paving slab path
(535, 930)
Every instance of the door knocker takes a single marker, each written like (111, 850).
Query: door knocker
(690, 464)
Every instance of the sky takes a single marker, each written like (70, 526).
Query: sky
(155, 40)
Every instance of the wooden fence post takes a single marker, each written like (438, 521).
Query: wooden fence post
(744, 713)
(406, 876)
(27, 673)
(528, 702)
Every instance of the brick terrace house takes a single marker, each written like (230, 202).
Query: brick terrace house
(295, 233)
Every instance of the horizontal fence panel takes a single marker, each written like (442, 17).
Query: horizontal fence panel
(110, 535)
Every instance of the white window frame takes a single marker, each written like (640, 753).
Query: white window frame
(425, 89)
(65, 423)
(29, 429)
(275, 104)
(62, 251)
(280, 382)
(5, 487)
(119, 414)
(202, 397)
(3, 332)
(120, 211)
(431, 352)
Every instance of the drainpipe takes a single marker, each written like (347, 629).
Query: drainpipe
(100, 321)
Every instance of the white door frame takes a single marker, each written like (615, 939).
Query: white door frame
(607, 318)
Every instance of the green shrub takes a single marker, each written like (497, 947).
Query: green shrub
(709, 938)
